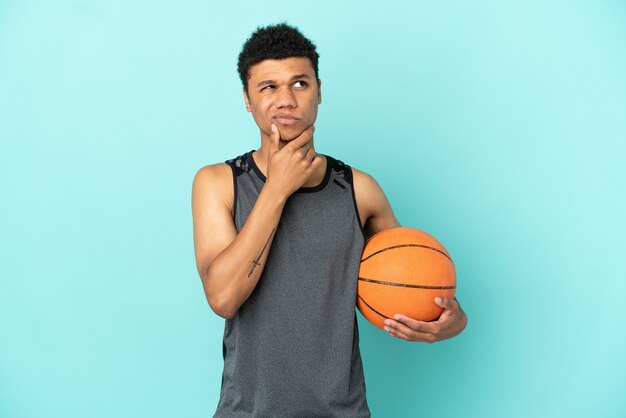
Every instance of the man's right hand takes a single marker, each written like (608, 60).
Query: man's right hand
(290, 167)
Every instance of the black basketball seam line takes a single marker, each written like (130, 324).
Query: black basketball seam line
(415, 286)
(368, 305)
(408, 245)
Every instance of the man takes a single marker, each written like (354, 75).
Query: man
(278, 234)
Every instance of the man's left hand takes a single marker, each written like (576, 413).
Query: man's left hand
(450, 323)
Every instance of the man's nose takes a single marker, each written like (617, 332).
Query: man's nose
(285, 98)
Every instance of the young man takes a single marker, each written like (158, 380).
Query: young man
(278, 235)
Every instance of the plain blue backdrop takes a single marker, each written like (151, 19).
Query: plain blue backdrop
(498, 127)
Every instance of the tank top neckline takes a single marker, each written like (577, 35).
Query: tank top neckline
(310, 189)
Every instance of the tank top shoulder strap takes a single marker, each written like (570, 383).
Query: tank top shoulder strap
(343, 173)
(239, 164)
(341, 169)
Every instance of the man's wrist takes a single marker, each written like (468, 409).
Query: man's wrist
(274, 193)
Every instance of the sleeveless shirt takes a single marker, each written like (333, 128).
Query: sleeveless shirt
(292, 349)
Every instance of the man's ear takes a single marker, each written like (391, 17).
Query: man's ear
(319, 91)
(246, 99)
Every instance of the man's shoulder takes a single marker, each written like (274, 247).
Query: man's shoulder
(223, 169)
(366, 187)
(216, 179)
(361, 178)
(213, 172)
(213, 185)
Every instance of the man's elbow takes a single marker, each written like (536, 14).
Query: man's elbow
(226, 310)
(219, 300)
(221, 306)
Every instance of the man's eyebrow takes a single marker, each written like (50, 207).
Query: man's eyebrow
(303, 75)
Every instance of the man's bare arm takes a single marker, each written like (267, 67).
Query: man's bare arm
(374, 208)
(230, 263)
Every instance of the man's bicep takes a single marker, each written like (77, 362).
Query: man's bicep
(375, 205)
(213, 226)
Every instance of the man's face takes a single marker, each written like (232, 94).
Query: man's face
(284, 92)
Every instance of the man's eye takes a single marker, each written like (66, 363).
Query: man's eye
(268, 86)
(301, 82)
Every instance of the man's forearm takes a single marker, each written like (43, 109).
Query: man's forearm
(235, 272)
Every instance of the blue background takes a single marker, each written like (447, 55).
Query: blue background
(498, 127)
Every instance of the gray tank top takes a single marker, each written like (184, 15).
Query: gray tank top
(292, 349)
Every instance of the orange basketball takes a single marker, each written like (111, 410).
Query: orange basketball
(402, 271)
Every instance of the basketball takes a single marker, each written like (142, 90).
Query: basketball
(402, 271)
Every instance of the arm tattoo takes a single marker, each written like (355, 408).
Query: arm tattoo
(256, 262)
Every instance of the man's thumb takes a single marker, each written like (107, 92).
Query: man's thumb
(274, 138)
(443, 302)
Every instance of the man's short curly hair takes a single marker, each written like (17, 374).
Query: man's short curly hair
(277, 41)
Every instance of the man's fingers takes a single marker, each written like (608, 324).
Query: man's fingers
(446, 303)
(307, 153)
(308, 147)
(417, 337)
(304, 149)
(317, 162)
(399, 330)
(414, 324)
(311, 156)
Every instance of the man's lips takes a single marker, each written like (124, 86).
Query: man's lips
(286, 119)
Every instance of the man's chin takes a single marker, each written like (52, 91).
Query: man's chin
(289, 133)
(286, 138)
